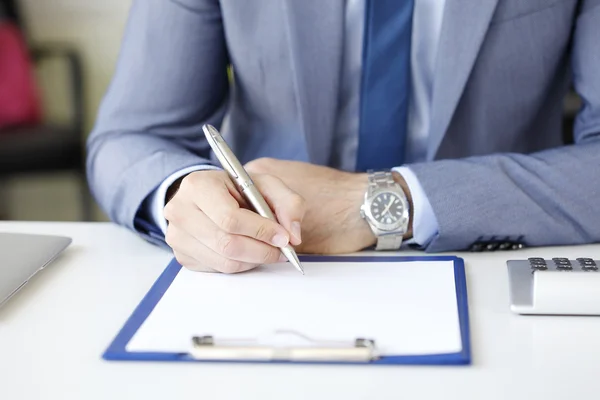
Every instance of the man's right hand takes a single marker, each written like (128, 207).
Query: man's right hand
(211, 229)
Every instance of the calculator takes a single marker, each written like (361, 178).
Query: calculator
(557, 286)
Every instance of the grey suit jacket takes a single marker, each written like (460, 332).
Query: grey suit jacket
(496, 161)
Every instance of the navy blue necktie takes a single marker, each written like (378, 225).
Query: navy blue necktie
(385, 84)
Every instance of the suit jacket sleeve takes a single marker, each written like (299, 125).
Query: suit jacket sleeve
(550, 197)
(171, 77)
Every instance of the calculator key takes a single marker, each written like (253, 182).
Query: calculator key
(491, 246)
(477, 247)
(504, 246)
(564, 267)
(561, 262)
(537, 263)
(536, 260)
(586, 262)
(539, 267)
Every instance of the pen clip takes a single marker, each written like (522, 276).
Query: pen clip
(225, 162)
(226, 157)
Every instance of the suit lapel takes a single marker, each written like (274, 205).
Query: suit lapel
(464, 27)
(315, 31)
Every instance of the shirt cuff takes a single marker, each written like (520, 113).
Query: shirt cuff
(425, 225)
(156, 200)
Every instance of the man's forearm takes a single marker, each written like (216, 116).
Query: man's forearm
(546, 198)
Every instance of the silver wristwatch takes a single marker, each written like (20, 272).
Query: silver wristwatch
(385, 209)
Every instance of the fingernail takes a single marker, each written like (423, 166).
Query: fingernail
(282, 258)
(279, 240)
(296, 231)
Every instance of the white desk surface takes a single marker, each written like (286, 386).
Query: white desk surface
(52, 335)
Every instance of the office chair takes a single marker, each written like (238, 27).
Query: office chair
(49, 148)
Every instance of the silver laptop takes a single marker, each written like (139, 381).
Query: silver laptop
(24, 255)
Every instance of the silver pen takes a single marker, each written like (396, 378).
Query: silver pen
(244, 183)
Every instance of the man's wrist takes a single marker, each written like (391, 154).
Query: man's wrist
(360, 185)
(362, 229)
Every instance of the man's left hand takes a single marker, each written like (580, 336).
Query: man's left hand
(332, 223)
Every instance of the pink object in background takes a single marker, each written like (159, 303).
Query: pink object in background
(19, 97)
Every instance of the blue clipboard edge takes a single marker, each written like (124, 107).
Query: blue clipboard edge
(117, 351)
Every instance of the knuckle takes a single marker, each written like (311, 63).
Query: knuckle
(264, 232)
(269, 183)
(170, 238)
(226, 245)
(188, 182)
(250, 165)
(197, 179)
(266, 160)
(267, 179)
(297, 201)
(169, 211)
(260, 165)
(230, 221)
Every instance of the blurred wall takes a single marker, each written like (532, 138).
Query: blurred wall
(94, 27)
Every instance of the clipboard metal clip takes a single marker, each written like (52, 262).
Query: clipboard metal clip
(208, 349)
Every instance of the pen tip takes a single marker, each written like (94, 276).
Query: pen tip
(293, 258)
(297, 264)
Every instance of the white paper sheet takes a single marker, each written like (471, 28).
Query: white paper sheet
(408, 308)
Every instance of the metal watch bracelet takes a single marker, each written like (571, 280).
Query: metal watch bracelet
(377, 180)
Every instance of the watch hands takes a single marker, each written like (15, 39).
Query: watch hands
(387, 208)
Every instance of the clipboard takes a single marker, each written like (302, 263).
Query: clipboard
(359, 351)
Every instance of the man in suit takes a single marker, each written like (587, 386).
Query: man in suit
(434, 124)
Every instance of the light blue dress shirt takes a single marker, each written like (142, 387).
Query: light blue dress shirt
(427, 23)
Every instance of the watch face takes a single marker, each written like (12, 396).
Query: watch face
(387, 208)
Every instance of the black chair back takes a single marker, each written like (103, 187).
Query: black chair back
(9, 9)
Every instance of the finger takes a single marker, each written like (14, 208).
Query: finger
(200, 257)
(288, 206)
(185, 216)
(225, 212)
(236, 247)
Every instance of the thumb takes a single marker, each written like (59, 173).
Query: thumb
(287, 205)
